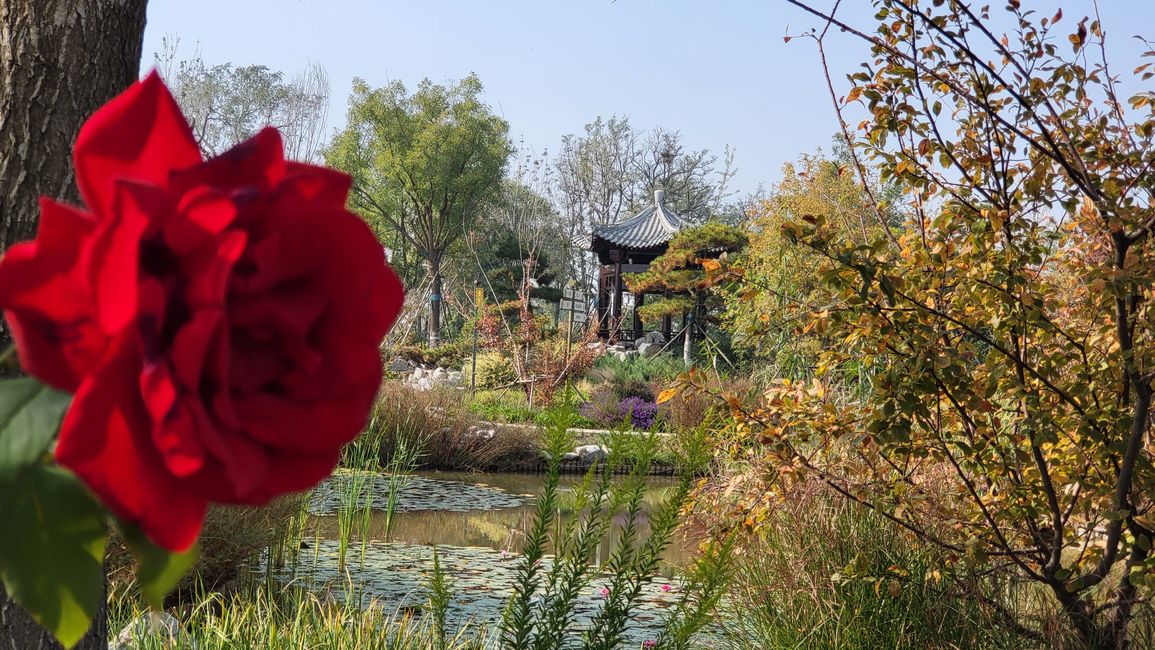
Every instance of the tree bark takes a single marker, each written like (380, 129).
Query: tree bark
(435, 302)
(60, 60)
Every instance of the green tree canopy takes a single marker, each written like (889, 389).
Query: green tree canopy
(423, 166)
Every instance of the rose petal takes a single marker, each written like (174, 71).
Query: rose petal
(48, 303)
(317, 187)
(255, 166)
(106, 440)
(140, 135)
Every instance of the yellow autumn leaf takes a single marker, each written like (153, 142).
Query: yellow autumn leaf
(667, 395)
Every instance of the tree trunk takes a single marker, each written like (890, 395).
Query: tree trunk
(688, 340)
(435, 302)
(60, 60)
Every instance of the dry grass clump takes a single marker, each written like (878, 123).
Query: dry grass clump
(232, 540)
(437, 423)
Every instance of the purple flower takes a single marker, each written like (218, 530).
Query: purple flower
(649, 643)
(642, 414)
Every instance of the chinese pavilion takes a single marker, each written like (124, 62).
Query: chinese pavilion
(630, 247)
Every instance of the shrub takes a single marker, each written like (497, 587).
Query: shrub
(646, 370)
(635, 389)
(686, 411)
(446, 355)
(551, 362)
(438, 423)
(500, 406)
(493, 370)
(602, 407)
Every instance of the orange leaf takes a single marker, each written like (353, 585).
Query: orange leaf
(667, 395)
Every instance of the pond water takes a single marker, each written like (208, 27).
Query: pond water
(478, 524)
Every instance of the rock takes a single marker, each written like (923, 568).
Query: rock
(399, 365)
(591, 453)
(647, 349)
(439, 374)
(480, 433)
(455, 377)
(423, 384)
(146, 630)
(623, 355)
(569, 456)
(418, 374)
(656, 337)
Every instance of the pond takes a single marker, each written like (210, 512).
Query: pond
(478, 523)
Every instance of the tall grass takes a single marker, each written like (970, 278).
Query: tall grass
(291, 618)
(540, 613)
(438, 423)
(822, 573)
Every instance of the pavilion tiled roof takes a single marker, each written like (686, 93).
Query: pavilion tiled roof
(654, 226)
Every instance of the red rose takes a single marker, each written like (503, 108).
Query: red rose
(218, 320)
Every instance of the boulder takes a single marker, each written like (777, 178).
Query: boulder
(418, 374)
(623, 355)
(440, 374)
(591, 454)
(647, 349)
(399, 365)
(656, 337)
(569, 456)
(480, 433)
(455, 377)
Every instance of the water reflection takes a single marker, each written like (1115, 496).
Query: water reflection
(502, 528)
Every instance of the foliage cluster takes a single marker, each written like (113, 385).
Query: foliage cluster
(1003, 328)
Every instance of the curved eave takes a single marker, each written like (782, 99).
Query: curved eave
(655, 226)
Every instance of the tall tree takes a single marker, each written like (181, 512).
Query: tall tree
(423, 165)
(227, 104)
(58, 63)
(696, 182)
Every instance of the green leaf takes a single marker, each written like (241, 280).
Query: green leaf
(52, 550)
(30, 414)
(157, 570)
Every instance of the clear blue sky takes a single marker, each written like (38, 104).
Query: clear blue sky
(716, 70)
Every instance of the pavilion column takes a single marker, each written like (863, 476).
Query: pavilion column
(603, 303)
(639, 300)
(667, 325)
(617, 319)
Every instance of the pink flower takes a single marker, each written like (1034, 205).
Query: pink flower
(666, 588)
(650, 643)
(604, 592)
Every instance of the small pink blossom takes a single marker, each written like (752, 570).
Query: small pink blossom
(604, 592)
(650, 643)
(666, 588)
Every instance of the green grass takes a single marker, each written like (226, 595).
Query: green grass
(291, 618)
